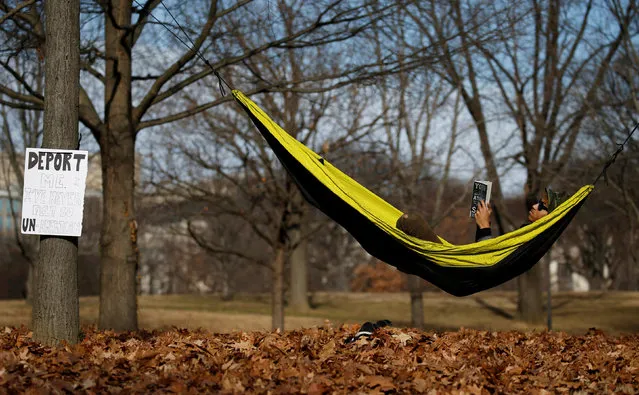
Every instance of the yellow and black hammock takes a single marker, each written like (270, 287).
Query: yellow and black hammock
(457, 269)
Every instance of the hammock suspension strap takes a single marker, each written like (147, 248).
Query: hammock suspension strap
(221, 82)
(613, 157)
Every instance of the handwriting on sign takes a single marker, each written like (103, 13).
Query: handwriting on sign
(53, 194)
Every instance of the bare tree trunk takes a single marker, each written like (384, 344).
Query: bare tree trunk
(530, 305)
(227, 292)
(631, 262)
(55, 314)
(547, 263)
(149, 275)
(530, 299)
(277, 299)
(29, 285)
(416, 301)
(343, 279)
(120, 256)
(530, 302)
(31, 126)
(30, 250)
(299, 271)
(597, 283)
(173, 281)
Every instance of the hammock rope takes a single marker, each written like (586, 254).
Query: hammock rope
(221, 81)
(613, 157)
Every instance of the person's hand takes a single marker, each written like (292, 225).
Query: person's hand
(482, 215)
(534, 214)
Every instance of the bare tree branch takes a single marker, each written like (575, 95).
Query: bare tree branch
(170, 72)
(223, 251)
(15, 10)
(25, 98)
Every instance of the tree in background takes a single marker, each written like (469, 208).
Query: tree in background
(550, 78)
(21, 128)
(606, 235)
(147, 95)
(247, 183)
(547, 74)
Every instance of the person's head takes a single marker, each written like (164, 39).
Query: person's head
(548, 201)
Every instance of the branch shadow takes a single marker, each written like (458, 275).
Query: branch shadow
(494, 309)
(502, 313)
(558, 305)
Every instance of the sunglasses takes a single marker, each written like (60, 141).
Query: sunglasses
(541, 206)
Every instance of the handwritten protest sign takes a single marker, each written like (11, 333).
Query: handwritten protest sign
(53, 196)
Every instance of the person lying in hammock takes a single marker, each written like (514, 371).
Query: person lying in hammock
(415, 225)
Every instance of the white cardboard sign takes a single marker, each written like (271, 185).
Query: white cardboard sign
(53, 195)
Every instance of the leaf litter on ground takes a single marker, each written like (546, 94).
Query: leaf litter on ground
(316, 361)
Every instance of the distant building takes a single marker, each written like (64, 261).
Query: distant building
(10, 208)
(10, 195)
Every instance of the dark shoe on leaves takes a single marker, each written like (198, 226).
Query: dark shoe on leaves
(367, 330)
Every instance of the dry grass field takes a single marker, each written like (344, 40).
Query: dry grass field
(612, 312)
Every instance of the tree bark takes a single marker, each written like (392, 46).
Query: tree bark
(342, 283)
(530, 301)
(547, 263)
(416, 301)
(120, 255)
(299, 266)
(55, 313)
(29, 284)
(227, 291)
(597, 282)
(277, 299)
(529, 297)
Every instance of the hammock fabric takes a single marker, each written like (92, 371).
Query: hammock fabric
(460, 270)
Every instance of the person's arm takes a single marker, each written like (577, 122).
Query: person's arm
(482, 218)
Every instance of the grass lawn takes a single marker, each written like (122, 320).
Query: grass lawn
(613, 312)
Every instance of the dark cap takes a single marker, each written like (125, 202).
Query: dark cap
(555, 198)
